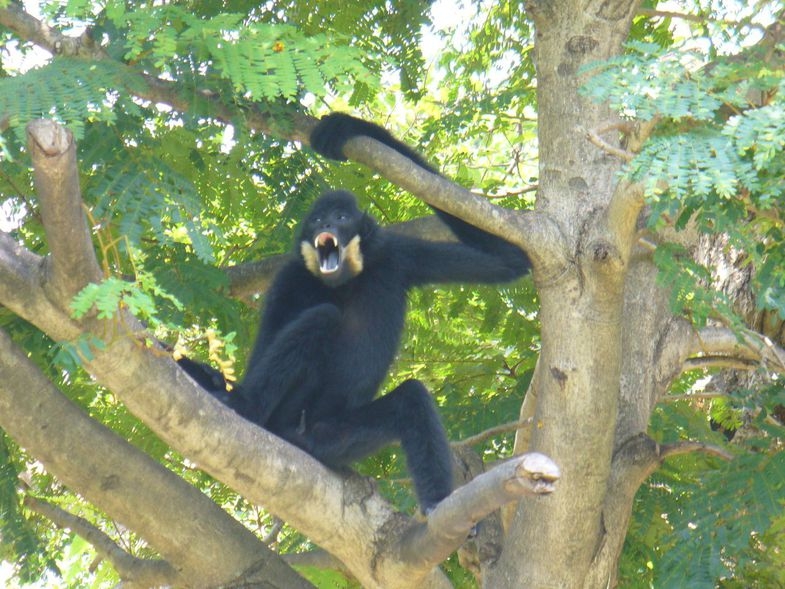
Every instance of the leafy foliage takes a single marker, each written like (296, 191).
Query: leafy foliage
(21, 543)
(261, 60)
(114, 293)
(715, 161)
(141, 195)
(68, 90)
(713, 164)
(688, 283)
(700, 519)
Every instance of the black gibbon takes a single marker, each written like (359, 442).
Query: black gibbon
(332, 323)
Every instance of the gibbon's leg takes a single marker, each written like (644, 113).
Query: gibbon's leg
(406, 414)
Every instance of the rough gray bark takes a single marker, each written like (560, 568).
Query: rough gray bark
(552, 542)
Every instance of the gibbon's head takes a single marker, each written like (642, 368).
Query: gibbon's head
(331, 236)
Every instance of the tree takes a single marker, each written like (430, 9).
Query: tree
(655, 160)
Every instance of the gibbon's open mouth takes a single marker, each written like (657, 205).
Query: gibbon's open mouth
(329, 252)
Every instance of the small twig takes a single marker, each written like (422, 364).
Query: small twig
(692, 397)
(679, 448)
(595, 139)
(511, 193)
(271, 537)
(130, 568)
(494, 431)
(699, 18)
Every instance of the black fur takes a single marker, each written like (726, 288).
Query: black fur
(332, 324)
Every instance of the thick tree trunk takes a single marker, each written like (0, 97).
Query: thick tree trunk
(553, 541)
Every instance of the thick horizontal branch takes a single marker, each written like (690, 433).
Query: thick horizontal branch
(429, 543)
(134, 572)
(297, 127)
(709, 362)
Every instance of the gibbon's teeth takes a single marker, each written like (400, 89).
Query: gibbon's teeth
(325, 239)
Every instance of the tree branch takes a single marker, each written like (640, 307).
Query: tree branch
(134, 572)
(748, 349)
(255, 277)
(698, 18)
(693, 397)
(679, 448)
(130, 486)
(622, 216)
(426, 545)
(248, 279)
(708, 362)
(594, 138)
(345, 516)
(21, 278)
(28, 27)
(56, 178)
(148, 87)
(320, 559)
(503, 428)
(534, 232)
(635, 460)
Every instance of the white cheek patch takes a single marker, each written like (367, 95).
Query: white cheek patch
(354, 256)
(310, 257)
